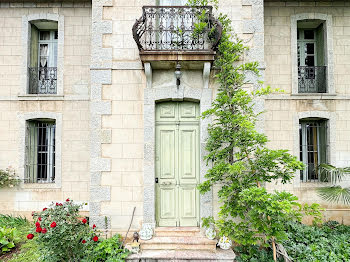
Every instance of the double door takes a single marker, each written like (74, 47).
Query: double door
(177, 164)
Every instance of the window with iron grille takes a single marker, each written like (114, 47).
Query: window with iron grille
(313, 149)
(42, 69)
(40, 151)
(311, 57)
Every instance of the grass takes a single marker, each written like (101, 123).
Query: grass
(25, 250)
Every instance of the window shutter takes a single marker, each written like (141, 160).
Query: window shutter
(323, 147)
(31, 153)
(34, 43)
(320, 46)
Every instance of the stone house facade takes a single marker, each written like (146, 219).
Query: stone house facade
(89, 114)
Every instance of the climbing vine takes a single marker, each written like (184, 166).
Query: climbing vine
(241, 163)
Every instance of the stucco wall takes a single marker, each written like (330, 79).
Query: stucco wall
(281, 119)
(73, 107)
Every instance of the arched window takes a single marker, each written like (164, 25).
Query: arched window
(40, 151)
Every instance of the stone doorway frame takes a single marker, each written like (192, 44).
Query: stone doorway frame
(151, 96)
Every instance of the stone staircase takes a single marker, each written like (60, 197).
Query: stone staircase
(180, 244)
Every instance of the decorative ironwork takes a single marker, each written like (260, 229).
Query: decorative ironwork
(175, 28)
(40, 151)
(42, 80)
(312, 79)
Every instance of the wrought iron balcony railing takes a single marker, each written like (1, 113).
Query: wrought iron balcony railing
(173, 28)
(312, 79)
(42, 80)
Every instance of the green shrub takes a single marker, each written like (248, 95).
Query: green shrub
(60, 233)
(253, 253)
(331, 242)
(8, 178)
(109, 250)
(7, 239)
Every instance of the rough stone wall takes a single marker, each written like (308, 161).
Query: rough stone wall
(281, 119)
(73, 107)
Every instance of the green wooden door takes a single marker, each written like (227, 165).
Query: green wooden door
(177, 164)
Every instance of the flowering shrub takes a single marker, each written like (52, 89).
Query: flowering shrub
(8, 178)
(60, 233)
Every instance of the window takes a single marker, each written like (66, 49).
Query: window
(313, 148)
(40, 151)
(311, 57)
(43, 58)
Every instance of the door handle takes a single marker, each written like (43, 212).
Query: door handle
(166, 183)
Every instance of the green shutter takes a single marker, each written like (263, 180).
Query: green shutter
(34, 46)
(323, 146)
(320, 46)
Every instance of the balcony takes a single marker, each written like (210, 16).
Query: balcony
(169, 33)
(42, 80)
(312, 79)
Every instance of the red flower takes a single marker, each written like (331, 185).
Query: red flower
(84, 221)
(44, 209)
(30, 236)
(53, 224)
(67, 200)
(60, 204)
(39, 218)
(37, 224)
(95, 238)
(33, 213)
(44, 230)
(84, 241)
(94, 226)
(56, 204)
(38, 230)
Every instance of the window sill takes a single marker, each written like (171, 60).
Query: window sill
(40, 186)
(40, 97)
(314, 184)
(313, 95)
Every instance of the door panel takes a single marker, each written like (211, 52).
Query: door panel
(167, 152)
(168, 206)
(189, 207)
(177, 164)
(188, 136)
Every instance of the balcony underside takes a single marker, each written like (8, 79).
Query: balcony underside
(167, 59)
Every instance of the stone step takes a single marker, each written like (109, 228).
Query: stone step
(178, 243)
(182, 256)
(176, 231)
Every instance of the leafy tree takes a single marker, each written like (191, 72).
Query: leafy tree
(241, 163)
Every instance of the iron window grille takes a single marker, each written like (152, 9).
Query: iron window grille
(40, 151)
(312, 79)
(172, 28)
(313, 149)
(43, 80)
